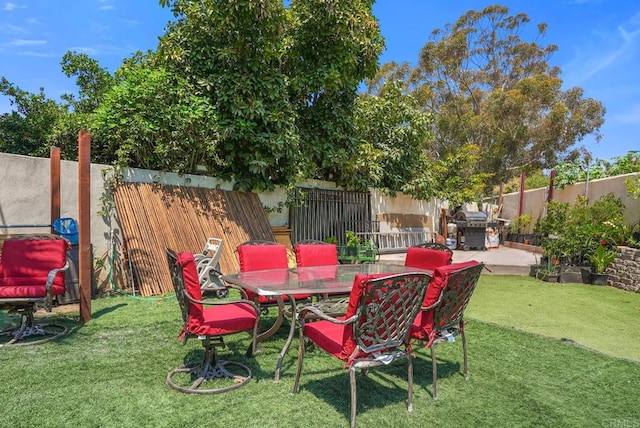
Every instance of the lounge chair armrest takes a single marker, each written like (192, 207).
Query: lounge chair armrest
(52, 274)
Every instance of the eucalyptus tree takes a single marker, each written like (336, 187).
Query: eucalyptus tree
(489, 88)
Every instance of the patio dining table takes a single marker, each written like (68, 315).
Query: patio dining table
(316, 280)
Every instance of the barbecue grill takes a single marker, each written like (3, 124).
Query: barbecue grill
(473, 227)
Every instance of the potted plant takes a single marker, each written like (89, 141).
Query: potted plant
(355, 250)
(519, 228)
(548, 270)
(600, 260)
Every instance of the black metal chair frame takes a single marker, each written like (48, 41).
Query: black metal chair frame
(435, 246)
(449, 315)
(381, 327)
(210, 367)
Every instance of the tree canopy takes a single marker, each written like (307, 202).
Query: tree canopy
(489, 88)
(266, 94)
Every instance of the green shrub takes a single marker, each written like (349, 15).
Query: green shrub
(573, 234)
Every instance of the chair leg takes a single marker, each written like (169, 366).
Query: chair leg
(29, 330)
(435, 372)
(410, 382)
(464, 352)
(208, 369)
(354, 397)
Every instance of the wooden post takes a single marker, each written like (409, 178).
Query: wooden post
(552, 178)
(521, 208)
(84, 224)
(54, 171)
(443, 223)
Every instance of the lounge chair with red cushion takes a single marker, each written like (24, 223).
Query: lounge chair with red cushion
(32, 274)
(209, 321)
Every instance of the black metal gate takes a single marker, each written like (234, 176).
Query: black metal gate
(321, 213)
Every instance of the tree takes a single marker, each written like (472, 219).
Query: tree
(92, 80)
(488, 87)
(153, 119)
(231, 53)
(391, 131)
(26, 129)
(332, 45)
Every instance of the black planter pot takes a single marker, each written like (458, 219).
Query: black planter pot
(575, 274)
(599, 278)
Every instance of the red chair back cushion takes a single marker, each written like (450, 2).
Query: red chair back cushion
(426, 258)
(423, 324)
(211, 320)
(360, 287)
(261, 257)
(192, 287)
(26, 263)
(316, 255)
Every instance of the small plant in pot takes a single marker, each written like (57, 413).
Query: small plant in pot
(601, 259)
(549, 270)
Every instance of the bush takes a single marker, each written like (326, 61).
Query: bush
(573, 234)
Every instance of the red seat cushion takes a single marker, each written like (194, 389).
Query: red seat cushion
(426, 258)
(263, 257)
(423, 325)
(212, 320)
(338, 339)
(316, 254)
(26, 263)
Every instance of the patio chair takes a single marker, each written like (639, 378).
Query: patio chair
(316, 253)
(31, 276)
(209, 321)
(428, 255)
(435, 246)
(374, 331)
(442, 315)
(263, 255)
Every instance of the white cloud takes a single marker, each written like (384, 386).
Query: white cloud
(616, 48)
(85, 49)
(39, 54)
(632, 115)
(107, 7)
(25, 42)
(9, 6)
(12, 29)
(104, 50)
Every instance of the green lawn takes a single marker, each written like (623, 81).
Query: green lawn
(601, 318)
(111, 372)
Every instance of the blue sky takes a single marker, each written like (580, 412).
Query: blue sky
(599, 45)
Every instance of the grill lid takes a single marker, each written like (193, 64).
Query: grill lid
(473, 216)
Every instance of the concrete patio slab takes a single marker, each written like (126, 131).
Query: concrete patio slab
(500, 261)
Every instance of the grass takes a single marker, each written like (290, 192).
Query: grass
(601, 318)
(111, 371)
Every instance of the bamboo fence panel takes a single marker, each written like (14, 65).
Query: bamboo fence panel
(154, 217)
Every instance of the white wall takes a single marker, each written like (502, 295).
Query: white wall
(534, 200)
